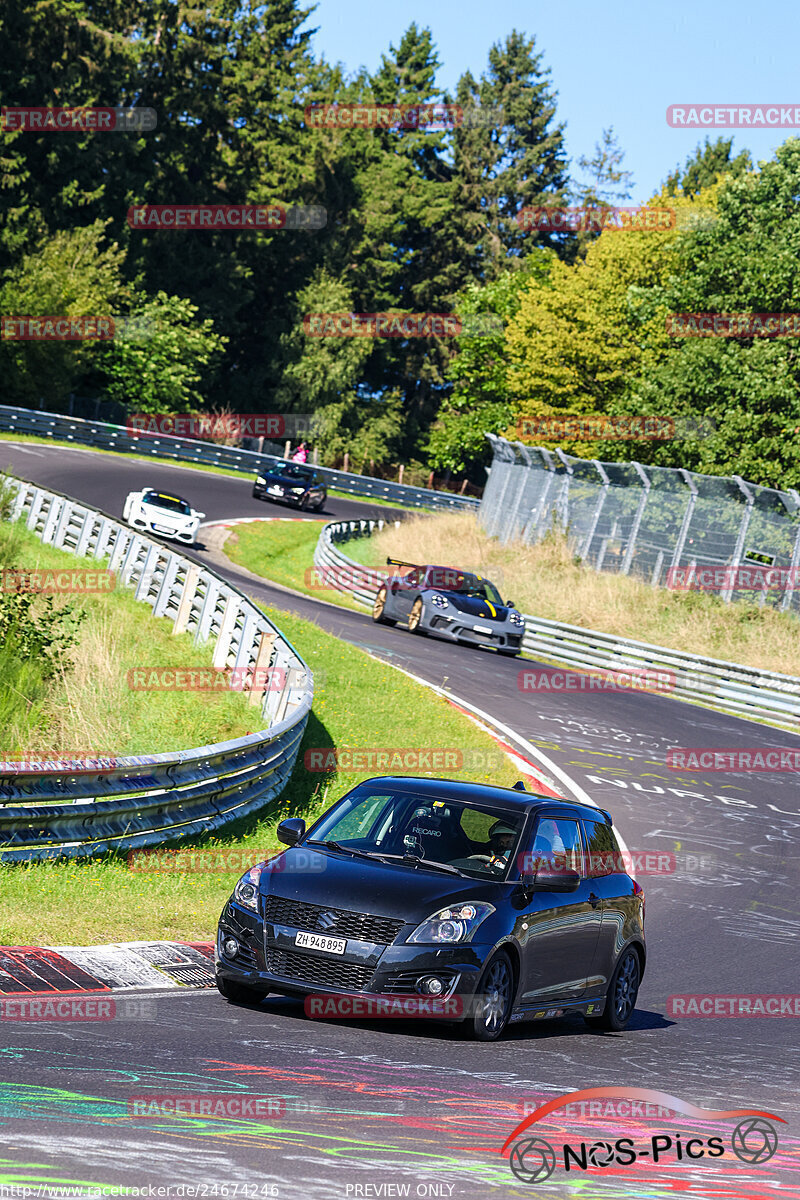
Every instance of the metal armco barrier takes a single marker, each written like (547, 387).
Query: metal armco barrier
(730, 687)
(144, 800)
(116, 437)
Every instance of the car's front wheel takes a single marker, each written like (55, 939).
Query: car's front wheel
(379, 609)
(493, 999)
(238, 993)
(621, 996)
(415, 618)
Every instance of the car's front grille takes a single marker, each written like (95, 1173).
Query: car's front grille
(340, 922)
(321, 972)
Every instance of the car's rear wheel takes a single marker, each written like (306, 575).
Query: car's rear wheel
(493, 999)
(379, 608)
(238, 993)
(621, 995)
(415, 618)
(509, 653)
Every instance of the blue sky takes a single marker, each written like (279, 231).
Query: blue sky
(612, 64)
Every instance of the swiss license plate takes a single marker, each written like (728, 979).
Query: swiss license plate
(275, 491)
(482, 629)
(317, 941)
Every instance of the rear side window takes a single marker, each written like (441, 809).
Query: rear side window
(604, 855)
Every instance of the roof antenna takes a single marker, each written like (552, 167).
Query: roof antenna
(519, 786)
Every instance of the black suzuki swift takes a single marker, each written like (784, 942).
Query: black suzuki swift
(516, 905)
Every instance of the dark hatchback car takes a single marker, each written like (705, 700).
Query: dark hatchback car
(293, 484)
(512, 902)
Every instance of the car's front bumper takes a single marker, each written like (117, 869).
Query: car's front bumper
(459, 630)
(273, 963)
(146, 524)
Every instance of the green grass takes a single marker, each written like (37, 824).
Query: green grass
(283, 552)
(361, 703)
(89, 705)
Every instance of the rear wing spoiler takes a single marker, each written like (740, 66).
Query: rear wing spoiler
(398, 562)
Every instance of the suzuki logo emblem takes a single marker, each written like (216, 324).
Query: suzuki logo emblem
(326, 920)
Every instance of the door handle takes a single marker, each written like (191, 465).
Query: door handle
(594, 899)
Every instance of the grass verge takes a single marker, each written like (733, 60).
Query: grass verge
(361, 704)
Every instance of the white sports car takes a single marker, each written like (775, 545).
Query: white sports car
(159, 512)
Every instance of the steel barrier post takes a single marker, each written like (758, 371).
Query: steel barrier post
(687, 517)
(727, 591)
(637, 520)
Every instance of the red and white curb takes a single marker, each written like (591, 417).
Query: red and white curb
(119, 966)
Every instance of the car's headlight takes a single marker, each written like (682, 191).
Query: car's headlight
(439, 601)
(298, 491)
(516, 618)
(246, 890)
(449, 925)
(260, 479)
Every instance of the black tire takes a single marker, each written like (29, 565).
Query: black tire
(415, 618)
(378, 608)
(303, 505)
(494, 998)
(509, 653)
(621, 996)
(238, 993)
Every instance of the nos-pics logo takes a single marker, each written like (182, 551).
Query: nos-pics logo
(533, 1159)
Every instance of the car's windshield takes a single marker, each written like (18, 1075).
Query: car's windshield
(292, 471)
(171, 503)
(476, 840)
(448, 579)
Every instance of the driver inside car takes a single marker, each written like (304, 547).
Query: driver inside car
(501, 839)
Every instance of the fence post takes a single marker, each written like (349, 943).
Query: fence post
(727, 591)
(687, 517)
(587, 545)
(795, 563)
(637, 520)
(562, 504)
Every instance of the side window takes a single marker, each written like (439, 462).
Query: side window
(411, 579)
(604, 854)
(557, 845)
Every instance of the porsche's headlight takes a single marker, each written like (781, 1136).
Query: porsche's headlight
(450, 925)
(516, 618)
(439, 601)
(246, 890)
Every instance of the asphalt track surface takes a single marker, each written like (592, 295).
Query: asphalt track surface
(373, 1109)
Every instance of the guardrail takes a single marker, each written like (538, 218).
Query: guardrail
(78, 809)
(103, 436)
(730, 687)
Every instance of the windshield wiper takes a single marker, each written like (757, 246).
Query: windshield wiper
(343, 849)
(425, 862)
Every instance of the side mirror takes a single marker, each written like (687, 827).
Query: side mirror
(199, 514)
(510, 604)
(548, 880)
(291, 830)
